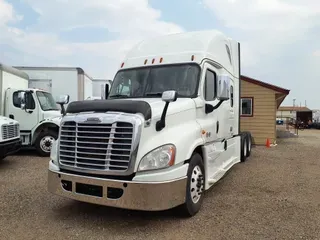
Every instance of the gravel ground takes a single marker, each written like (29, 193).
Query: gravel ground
(275, 195)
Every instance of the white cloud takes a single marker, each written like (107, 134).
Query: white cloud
(7, 13)
(130, 20)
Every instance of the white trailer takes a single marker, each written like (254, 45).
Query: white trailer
(10, 129)
(169, 130)
(35, 110)
(99, 88)
(60, 80)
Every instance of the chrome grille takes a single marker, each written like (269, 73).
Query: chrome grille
(10, 131)
(96, 146)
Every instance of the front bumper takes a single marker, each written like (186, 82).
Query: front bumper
(10, 147)
(147, 196)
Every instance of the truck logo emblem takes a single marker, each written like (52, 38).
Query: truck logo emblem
(93, 119)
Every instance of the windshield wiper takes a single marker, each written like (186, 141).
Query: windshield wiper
(119, 96)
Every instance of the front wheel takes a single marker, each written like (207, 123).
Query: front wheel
(43, 143)
(195, 187)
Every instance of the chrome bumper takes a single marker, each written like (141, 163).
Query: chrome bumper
(148, 196)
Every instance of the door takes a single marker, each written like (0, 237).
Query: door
(27, 118)
(44, 84)
(211, 121)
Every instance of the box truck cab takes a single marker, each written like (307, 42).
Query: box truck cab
(35, 110)
(38, 114)
(169, 130)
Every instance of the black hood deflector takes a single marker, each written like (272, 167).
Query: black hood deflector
(115, 105)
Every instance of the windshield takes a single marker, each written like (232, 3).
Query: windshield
(153, 81)
(46, 101)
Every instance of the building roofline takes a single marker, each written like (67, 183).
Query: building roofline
(266, 85)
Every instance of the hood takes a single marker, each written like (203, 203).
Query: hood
(5, 120)
(157, 105)
(51, 114)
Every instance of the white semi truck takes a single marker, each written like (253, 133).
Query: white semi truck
(35, 110)
(169, 130)
(10, 129)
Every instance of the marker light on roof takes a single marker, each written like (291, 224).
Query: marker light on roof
(161, 60)
(152, 61)
(192, 57)
(122, 64)
(145, 61)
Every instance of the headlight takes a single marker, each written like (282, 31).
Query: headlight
(54, 152)
(158, 158)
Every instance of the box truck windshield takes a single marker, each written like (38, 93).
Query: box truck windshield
(153, 81)
(46, 101)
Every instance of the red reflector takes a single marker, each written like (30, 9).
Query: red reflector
(152, 61)
(145, 61)
(122, 64)
(161, 60)
(192, 57)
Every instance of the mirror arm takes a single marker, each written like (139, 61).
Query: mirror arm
(218, 104)
(162, 122)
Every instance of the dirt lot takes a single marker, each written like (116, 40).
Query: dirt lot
(275, 195)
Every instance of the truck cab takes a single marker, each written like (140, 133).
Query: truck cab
(167, 132)
(38, 114)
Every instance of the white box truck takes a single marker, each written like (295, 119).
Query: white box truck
(35, 110)
(169, 130)
(99, 87)
(60, 80)
(10, 129)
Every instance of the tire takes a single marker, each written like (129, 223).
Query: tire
(196, 168)
(243, 148)
(249, 144)
(43, 142)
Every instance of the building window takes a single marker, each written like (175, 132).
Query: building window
(247, 107)
(210, 86)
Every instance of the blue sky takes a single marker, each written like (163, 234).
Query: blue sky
(279, 37)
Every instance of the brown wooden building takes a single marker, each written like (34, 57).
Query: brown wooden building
(259, 104)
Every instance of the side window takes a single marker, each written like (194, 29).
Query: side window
(16, 99)
(210, 86)
(29, 98)
(247, 107)
(231, 96)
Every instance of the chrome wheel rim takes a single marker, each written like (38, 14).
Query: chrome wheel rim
(46, 143)
(196, 184)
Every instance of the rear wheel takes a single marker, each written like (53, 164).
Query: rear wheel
(195, 187)
(249, 144)
(43, 143)
(244, 148)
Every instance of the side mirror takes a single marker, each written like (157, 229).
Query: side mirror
(22, 100)
(223, 91)
(169, 96)
(63, 99)
(106, 90)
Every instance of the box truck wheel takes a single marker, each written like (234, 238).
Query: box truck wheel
(44, 142)
(195, 186)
